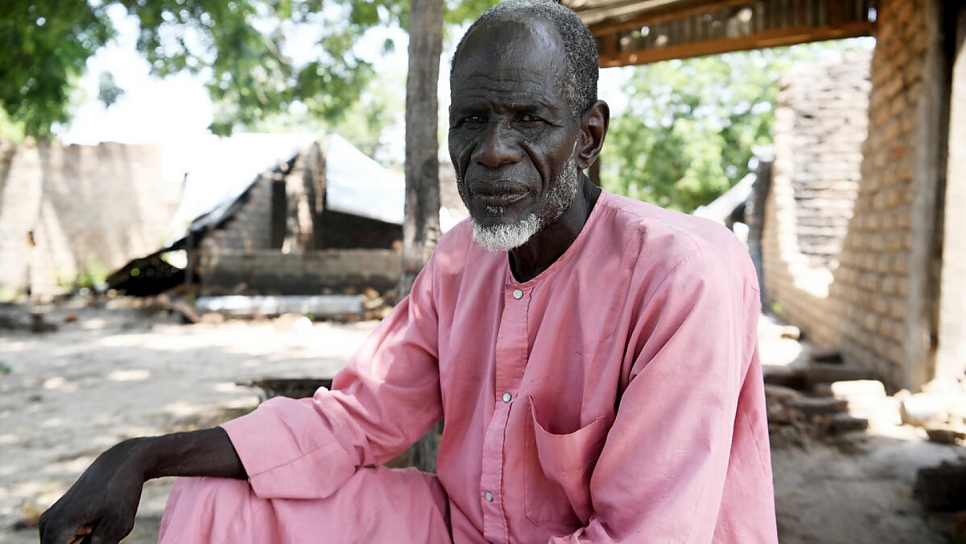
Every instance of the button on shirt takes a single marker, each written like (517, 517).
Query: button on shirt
(615, 397)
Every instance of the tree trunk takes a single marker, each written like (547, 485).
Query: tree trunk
(421, 224)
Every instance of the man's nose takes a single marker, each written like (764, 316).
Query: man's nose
(497, 147)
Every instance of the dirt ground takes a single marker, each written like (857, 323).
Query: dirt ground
(114, 370)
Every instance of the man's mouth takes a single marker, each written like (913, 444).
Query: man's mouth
(498, 195)
(500, 200)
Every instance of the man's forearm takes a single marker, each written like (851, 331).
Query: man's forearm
(207, 452)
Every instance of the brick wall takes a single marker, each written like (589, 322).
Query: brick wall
(249, 229)
(879, 285)
(827, 109)
(878, 300)
(820, 124)
(67, 210)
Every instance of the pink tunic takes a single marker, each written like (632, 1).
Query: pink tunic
(617, 397)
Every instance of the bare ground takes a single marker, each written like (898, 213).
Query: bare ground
(115, 371)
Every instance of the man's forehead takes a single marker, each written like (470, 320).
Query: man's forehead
(509, 37)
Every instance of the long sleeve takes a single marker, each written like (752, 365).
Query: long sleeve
(383, 401)
(687, 459)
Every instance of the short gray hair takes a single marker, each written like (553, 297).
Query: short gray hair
(582, 58)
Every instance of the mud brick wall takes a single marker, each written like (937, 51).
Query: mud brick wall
(820, 124)
(880, 287)
(75, 209)
(249, 229)
(827, 107)
(271, 272)
(877, 300)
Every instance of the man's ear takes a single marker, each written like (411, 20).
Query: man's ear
(593, 129)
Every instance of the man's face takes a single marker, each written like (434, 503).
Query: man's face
(512, 136)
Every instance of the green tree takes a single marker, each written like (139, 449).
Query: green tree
(239, 45)
(254, 75)
(689, 129)
(45, 50)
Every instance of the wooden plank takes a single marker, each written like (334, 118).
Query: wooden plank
(835, 16)
(597, 11)
(657, 17)
(771, 38)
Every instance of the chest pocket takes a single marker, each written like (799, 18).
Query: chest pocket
(558, 470)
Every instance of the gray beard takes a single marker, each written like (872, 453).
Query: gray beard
(505, 237)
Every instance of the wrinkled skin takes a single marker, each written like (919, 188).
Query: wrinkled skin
(100, 507)
(103, 500)
(512, 133)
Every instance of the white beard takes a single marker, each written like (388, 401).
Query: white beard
(506, 237)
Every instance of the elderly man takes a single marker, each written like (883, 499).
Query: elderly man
(594, 359)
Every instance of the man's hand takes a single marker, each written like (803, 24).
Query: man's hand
(100, 506)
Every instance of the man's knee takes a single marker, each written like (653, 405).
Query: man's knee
(376, 505)
(202, 506)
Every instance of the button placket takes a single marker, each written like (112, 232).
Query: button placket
(510, 359)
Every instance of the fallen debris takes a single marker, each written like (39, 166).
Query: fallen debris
(796, 419)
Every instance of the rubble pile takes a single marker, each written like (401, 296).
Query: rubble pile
(796, 418)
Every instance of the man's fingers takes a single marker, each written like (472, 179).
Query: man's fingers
(63, 536)
(112, 529)
(81, 535)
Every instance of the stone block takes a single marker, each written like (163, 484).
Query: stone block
(921, 409)
(813, 406)
(855, 390)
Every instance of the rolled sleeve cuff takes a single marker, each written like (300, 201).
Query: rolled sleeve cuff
(287, 452)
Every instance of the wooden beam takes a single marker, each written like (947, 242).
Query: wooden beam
(771, 38)
(835, 16)
(657, 17)
(597, 10)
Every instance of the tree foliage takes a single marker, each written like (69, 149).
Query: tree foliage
(689, 129)
(45, 49)
(262, 59)
(239, 45)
